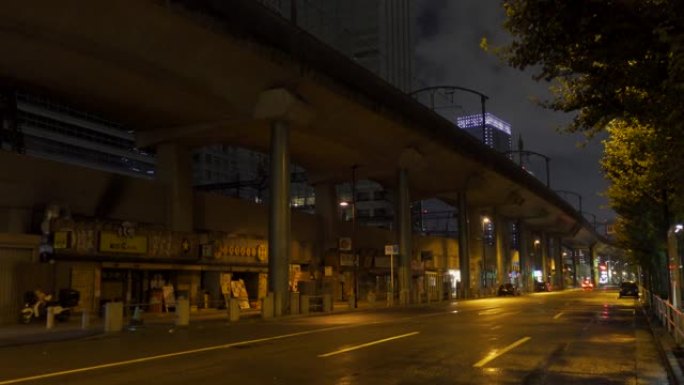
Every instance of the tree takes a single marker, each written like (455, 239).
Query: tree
(606, 59)
(619, 64)
(641, 192)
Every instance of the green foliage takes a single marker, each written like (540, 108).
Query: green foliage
(619, 65)
(607, 59)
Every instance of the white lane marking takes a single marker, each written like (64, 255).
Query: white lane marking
(367, 344)
(164, 356)
(557, 316)
(496, 327)
(496, 353)
(492, 311)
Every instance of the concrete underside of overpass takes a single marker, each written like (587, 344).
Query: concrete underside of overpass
(197, 72)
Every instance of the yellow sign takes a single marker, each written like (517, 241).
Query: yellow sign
(111, 242)
(61, 240)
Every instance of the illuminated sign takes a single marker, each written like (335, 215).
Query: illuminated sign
(490, 120)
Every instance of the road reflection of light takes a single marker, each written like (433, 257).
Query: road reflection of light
(346, 380)
(492, 370)
(612, 338)
(455, 311)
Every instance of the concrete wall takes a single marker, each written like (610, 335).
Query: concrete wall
(28, 184)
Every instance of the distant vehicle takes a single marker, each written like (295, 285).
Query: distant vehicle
(629, 289)
(507, 289)
(587, 285)
(541, 286)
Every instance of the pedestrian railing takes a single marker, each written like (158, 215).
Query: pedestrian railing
(671, 318)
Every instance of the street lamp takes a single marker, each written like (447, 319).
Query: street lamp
(485, 222)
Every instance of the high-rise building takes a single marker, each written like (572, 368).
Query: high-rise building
(377, 34)
(496, 133)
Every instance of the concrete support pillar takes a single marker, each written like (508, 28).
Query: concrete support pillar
(404, 236)
(279, 217)
(544, 259)
(479, 252)
(559, 281)
(524, 256)
(502, 250)
(174, 169)
(463, 246)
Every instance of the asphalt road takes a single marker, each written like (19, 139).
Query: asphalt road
(572, 337)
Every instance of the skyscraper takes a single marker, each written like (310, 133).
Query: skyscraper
(377, 34)
(496, 133)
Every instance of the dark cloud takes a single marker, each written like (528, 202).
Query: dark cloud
(428, 19)
(448, 52)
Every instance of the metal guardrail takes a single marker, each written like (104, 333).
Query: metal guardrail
(671, 318)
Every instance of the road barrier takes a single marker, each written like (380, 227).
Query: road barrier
(671, 318)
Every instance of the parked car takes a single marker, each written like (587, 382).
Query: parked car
(507, 289)
(629, 289)
(541, 286)
(587, 285)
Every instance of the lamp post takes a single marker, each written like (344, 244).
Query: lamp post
(485, 222)
(579, 197)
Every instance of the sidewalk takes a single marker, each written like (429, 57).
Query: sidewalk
(36, 332)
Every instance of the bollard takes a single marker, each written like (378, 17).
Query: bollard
(267, 306)
(182, 312)
(390, 300)
(234, 312)
(85, 319)
(294, 303)
(352, 301)
(50, 320)
(277, 304)
(305, 304)
(113, 317)
(136, 319)
(327, 303)
(371, 299)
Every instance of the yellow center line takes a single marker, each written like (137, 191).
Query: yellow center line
(557, 316)
(496, 353)
(367, 344)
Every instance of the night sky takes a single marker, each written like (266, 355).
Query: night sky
(448, 53)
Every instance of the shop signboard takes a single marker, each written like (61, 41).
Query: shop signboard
(112, 242)
(61, 240)
(347, 259)
(391, 249)
(345, 244)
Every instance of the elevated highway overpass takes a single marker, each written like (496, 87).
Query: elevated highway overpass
(189, 73)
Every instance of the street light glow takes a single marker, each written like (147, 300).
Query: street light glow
(344, 204)
(485, 220)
